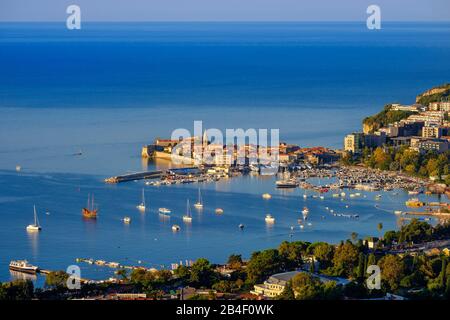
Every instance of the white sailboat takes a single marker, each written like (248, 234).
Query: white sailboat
(35, 226)
(199, 203)
(141, 206)
(187, 217)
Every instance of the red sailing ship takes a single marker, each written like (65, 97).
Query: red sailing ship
(90, 211)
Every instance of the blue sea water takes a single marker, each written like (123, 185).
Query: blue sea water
(109, 88)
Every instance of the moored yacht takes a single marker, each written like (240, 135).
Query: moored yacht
(415, 203)
(291, 183)
(23, 266)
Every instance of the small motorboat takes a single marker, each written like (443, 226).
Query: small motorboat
(266, 196)
(176, 227)
(305, 211)
(127, 220)
(269, 219)
(164, 210)
(219, 210)
(241, 226)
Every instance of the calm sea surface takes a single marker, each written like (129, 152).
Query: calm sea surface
(110, 88)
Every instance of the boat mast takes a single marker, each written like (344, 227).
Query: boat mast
(188, 208)
(35, 215)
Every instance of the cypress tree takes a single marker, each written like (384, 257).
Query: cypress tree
(288, 293)
(371, 260)
(311, 266)
(361, 269)
(447, 289)
(443, 272)
(365, 264)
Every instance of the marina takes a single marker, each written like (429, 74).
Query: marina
(40, 163)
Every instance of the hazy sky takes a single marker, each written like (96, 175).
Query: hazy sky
(220, 10)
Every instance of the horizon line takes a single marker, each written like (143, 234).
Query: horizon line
(224, 21)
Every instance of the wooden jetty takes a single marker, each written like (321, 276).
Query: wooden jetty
(45, 272)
